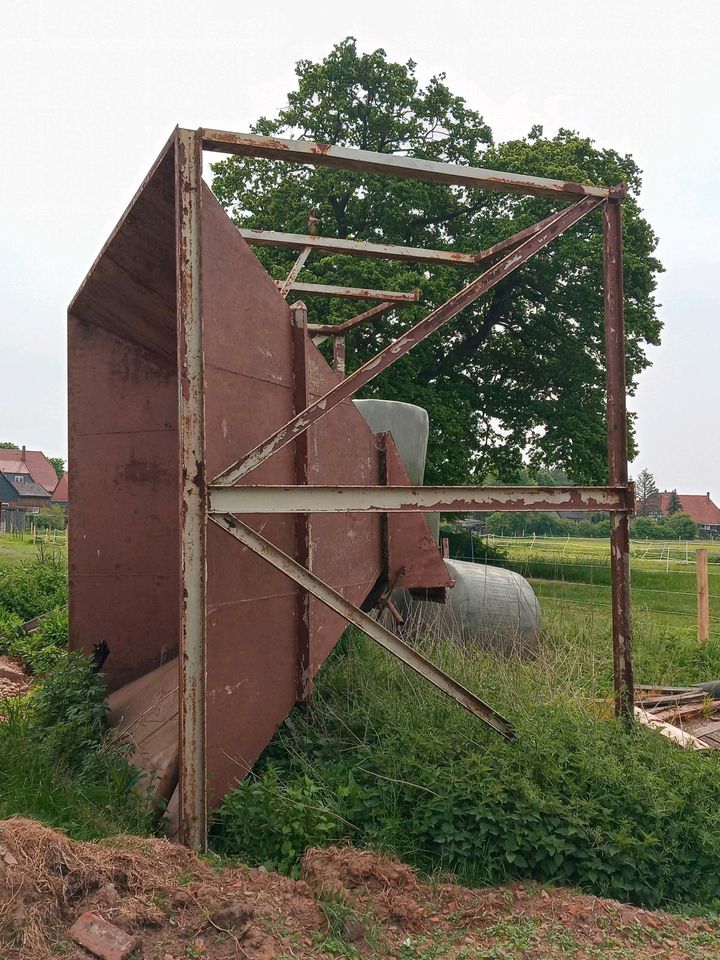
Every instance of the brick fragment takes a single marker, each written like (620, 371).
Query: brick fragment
(101, 938)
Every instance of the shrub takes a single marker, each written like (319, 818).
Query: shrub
(34, 587)
(382, 760)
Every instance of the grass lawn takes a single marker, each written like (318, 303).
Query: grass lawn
(14, 549)
(574, 575)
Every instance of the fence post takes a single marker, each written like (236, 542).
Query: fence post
(446, 547)
(703, 598)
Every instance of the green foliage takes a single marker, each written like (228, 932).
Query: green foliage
(463, 545)
(34, 587)
(679, 526)
(541, 524)
(56, 761)
(383, 760)
(646, 492)
(53, 518)
(8, 445)
(39, 651)
(674, 505)
(523, 373)
(56, 764)
(58, 466)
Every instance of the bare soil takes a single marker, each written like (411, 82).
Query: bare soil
(349, 904)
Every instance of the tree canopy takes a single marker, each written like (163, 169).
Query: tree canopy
(516, 379)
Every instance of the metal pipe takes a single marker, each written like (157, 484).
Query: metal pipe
(436, 319)
(193, 492)
(410, 168)
(353, 293)
(617, 458)
(335, 601)
(385, 499)
(338, 361)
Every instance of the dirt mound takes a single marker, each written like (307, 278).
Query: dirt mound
(350, 903)
(13, 679)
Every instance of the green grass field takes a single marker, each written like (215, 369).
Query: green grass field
(15, 549)
(574, 574)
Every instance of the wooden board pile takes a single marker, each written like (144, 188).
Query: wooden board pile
(690, 716)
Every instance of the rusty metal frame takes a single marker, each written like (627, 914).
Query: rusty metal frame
(220, 500)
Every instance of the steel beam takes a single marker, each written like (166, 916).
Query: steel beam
(335, 601)
(617, 458)
(296, 268)
(352, 293)
(383, 499)
(193, 492)
(409, 168)
(303, 522)
(438, 318)
(358, 248)
(340, 329)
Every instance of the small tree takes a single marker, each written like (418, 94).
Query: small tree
(646, 492)
(58, 466)
(674, 505)
(8, 445)
(682, 526)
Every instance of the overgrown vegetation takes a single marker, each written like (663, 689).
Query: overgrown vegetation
(384, 761)
(57, 764)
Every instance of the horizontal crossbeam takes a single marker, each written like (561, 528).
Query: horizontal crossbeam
(394, 351)
(409, 168)
(357, 248)
(317, 499)
(335, 601)
(340, 329)
(352, 293)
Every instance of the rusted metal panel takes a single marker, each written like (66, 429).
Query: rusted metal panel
(122, 407)
(413, 558)
(331, 598)
(193, 492)
(409, 168)
(617, 458)
(338, 361)
(442, 315)
(358, 248)
(397, 498)
(352, 293)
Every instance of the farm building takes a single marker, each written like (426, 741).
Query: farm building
(19, 492)
(32, 464)
(698, 506)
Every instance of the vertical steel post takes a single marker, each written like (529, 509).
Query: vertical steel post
(298, 319)
(617, 457)
(193, 491)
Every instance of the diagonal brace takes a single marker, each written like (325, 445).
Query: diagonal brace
(331, 598)
(438, 318)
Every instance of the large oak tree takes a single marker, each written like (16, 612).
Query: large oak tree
(517, 378)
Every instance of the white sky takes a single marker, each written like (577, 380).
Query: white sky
(89, 92)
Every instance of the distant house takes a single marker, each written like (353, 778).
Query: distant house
(698, 506)
(60, 493)
(19, 492)
(33, 463)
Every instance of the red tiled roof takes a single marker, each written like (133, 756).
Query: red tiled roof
(60, 493)
(38, 465)
(698, 506)
(13, 466)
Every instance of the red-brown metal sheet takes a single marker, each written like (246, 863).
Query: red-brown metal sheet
(413, 557)
(123, 446)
